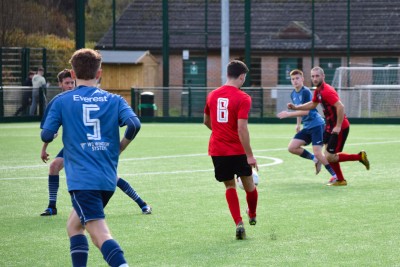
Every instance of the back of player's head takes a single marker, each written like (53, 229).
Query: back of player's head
(63, 74)
(236, 68)
(296, 72)
(85, 62)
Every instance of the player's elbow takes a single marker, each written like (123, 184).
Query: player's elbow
(47, 135)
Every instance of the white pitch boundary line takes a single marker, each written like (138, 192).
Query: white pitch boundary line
(178, 156)
(275, 161)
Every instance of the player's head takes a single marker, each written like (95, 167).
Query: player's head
(86, 64)
(30, 74)
(317, 76)
(236, 69)
(65, 80)
(40, 71)
(297, 78)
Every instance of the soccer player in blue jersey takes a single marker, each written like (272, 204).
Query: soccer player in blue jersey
(313, 125)
(66, 83)
(91, 119)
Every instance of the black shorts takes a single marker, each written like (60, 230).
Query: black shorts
(226, 167)
(335, 142)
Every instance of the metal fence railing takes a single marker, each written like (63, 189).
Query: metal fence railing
(186, 102)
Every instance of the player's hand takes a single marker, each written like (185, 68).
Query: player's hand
(282, 114)
(291, 106)
(252, 162)
(44, 156)
(336, 130)
(298, 128)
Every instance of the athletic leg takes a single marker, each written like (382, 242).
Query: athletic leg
(130, 192)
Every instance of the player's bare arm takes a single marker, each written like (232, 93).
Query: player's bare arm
(44, 156)
(307, 106)
(340, 117)
(287, 114)
(244, 137)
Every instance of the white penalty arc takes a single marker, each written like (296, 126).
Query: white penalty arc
(275, 161)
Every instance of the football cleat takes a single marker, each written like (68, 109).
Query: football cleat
(364, 159)
(318, 165)
(252, 221)
(146, 210)
(335, 182)
(240, 232)
(49, 212)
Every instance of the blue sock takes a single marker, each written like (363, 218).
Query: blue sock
(79, 248)
(127, 189)
(330, 170)
(54, 181)
(307, 155)
(112, 253)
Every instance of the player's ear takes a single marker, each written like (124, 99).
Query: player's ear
(73, 75)
(98, 74)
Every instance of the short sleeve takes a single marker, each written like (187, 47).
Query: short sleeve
(244, 108)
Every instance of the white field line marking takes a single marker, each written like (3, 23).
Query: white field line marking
(275, 161)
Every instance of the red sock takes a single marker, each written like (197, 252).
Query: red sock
(252, 198)
(233, 204)
(336, 167)
(348, 157)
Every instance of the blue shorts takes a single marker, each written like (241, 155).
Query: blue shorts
(314, 135)
(60, 154)
(89, 204)
(226, 167)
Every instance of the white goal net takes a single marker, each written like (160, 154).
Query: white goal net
(369, 92)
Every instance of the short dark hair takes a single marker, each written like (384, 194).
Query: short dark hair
(86, 62)
(236, 68)
(31, 72)
(66, 73)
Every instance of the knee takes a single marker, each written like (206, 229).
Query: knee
(330, 157)
(292, 149)
(55, 167)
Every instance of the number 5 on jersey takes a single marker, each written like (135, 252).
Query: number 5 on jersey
(95, 123)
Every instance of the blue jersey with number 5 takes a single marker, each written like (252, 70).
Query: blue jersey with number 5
(91, 118)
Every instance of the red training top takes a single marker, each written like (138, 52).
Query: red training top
(225, 105)
(327, 96)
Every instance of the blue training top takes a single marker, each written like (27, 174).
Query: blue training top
(313, 118)
(91, 118)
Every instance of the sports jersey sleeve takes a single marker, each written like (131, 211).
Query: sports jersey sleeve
(52, 121)
(207, 108)
(244, 109)
(125, 111)
(306, 96)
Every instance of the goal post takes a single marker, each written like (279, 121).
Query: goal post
(369, 92)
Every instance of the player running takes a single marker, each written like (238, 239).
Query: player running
(337, 125)
(313, 125)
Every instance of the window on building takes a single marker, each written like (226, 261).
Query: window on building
(285, 66)
(329, 65)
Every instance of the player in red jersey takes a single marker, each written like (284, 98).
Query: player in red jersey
(336, 128)
(226, 115)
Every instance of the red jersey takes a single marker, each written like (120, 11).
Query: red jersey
(225, 105)
(327, 96)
